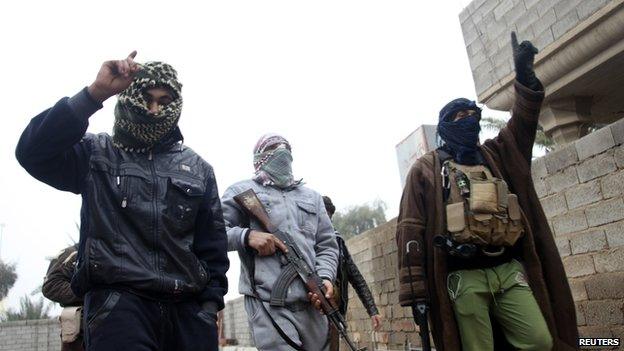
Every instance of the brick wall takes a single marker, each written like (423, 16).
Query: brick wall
(235, 326)
(581, 188)
(33, 335)
(486, 25)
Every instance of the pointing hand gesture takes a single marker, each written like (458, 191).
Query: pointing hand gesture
(524, 57)
(114, 77)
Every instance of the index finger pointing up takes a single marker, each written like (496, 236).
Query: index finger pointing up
(132, 54)
(514, 40)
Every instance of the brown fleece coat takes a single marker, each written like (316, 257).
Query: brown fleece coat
(422, 216)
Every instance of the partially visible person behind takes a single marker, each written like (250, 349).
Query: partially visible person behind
(347, 273)
(57, 287)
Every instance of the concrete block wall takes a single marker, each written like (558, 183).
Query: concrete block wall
(32, 335)
(486, 26)
(235, 325)
(581, 187)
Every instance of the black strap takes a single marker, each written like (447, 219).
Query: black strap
(252, 269)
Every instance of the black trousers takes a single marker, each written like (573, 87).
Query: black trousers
(119, 320)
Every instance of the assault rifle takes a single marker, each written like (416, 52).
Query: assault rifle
(295, 265)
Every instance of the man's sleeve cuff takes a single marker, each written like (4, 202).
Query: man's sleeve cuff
(83, 105)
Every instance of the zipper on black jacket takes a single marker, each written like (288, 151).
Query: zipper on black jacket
(150, 158)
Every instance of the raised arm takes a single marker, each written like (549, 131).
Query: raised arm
(52, 148)
(529, 94)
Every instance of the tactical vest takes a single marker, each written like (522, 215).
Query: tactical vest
(480, 209)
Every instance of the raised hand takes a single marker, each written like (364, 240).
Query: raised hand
(524, 57)
(114, 77)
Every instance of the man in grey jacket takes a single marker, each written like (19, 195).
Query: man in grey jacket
(300, 212)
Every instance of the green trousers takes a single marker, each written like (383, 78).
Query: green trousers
(503, 294)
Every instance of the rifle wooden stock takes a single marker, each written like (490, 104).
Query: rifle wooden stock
(249, 201)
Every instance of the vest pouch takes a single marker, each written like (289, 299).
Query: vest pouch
(480, 228)
(502, 193)
(500, 229)
(515, 228)
(483, 197)
(456, 222)
(70, 323)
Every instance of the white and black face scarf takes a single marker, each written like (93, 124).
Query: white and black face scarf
(135, 130)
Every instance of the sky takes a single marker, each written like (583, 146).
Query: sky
(344, 81)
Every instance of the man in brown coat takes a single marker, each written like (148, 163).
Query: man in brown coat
(494, 261)
(57, 287)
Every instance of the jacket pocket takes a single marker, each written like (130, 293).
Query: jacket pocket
(102, 311)
(308, 219)
(183, 200)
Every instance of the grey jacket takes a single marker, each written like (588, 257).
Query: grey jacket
(299, 212)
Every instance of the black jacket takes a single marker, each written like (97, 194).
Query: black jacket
(150, 223)
(349, 273)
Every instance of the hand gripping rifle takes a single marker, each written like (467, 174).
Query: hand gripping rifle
(296, 265)
(419, 308)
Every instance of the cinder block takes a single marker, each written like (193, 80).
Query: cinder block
(610, 261)
(578, 266)
(544, 22)
(530, 3)
(470, 32)
(594, 331)
(605, 312)
(544, 39)
(588, 8)
(485, 10)
(580, 314)
(577, 286)
(527, 19)
(564, 24)
(612, 185)
(615, 234)
(619, 156)
(464, 15)
(560, 159)
(573, 221)
(596, 166)
(543, 6)
(538, 168)
(540, 188)
(594, 143)
(513, 16)
(593, 240)
(554, 205)
(504, 7)
(562, 8)
(583, 194)
(562, 180)
(605, 286)
(617, 130)
(563, 245)
(605, 212)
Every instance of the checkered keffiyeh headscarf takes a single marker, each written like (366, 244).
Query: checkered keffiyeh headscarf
(274, 167)
(135, 129)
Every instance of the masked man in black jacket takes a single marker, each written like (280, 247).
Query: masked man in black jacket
(152, 255)
(347, 273)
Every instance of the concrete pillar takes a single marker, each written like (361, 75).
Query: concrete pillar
(566, 120)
